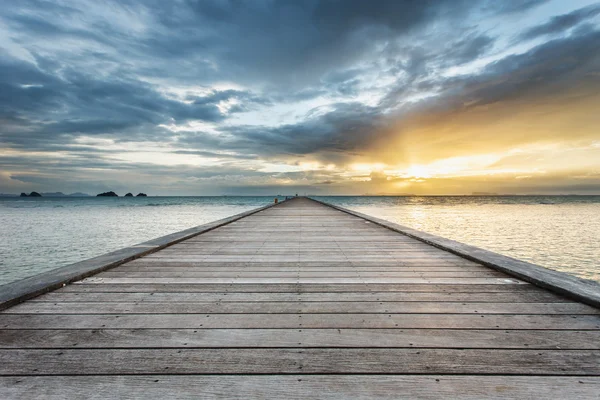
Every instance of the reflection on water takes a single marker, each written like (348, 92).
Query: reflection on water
(558, 232)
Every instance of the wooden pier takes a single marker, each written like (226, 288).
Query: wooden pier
(300, 300)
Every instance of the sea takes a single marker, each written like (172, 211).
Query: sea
(557, 232)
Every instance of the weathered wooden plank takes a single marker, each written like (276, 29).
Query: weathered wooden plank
(298, 361)
(191, 267)
(295, 288)
(495, 297)
(290, 256)
(285, 254)
(241, 245)
(366, 280)
(313, 238)
(305, 338)
(159, 387)
(225, 321)
(282, 250)
(294, 274)
(242, 242)
(567, 308)
(365, 263)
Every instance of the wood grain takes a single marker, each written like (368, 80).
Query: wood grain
(183, 297)
(278, 307)
(265, 338)
(298, 361)
(159, 387)
(208, 321)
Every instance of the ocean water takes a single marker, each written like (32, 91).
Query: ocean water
(40, 234)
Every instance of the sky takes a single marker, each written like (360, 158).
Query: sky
(256, 97)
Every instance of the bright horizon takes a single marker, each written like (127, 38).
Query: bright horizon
(284, 97)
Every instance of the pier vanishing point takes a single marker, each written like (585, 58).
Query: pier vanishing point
(300, 300)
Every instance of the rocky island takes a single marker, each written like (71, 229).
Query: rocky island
(107, 194)
(113, 194)
(32, 194)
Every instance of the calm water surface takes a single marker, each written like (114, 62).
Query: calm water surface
(39, 234)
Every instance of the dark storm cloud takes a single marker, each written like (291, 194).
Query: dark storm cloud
(544, 71)
(509, 7)
(468, 48)
(279, 44)
(561, 23)
(37, 106)
(349, 128)
(296, 42)
(346, 128)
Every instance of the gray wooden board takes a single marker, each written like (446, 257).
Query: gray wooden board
(265, 338)
(302, 280)
(494, 297)
(323, 268)
(295, 288)
(349, 247)
(305, 263)
(159, 387)
(287, 253)
(208, 321)
(294, 274)
(276, 307)
(236, 250)
(296, 361)
(316, 259)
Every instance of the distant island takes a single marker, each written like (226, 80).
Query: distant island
(113, 194)
(484, 194)
(32, 194)
(107, 194)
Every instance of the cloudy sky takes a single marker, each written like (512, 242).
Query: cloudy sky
(209, 97)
